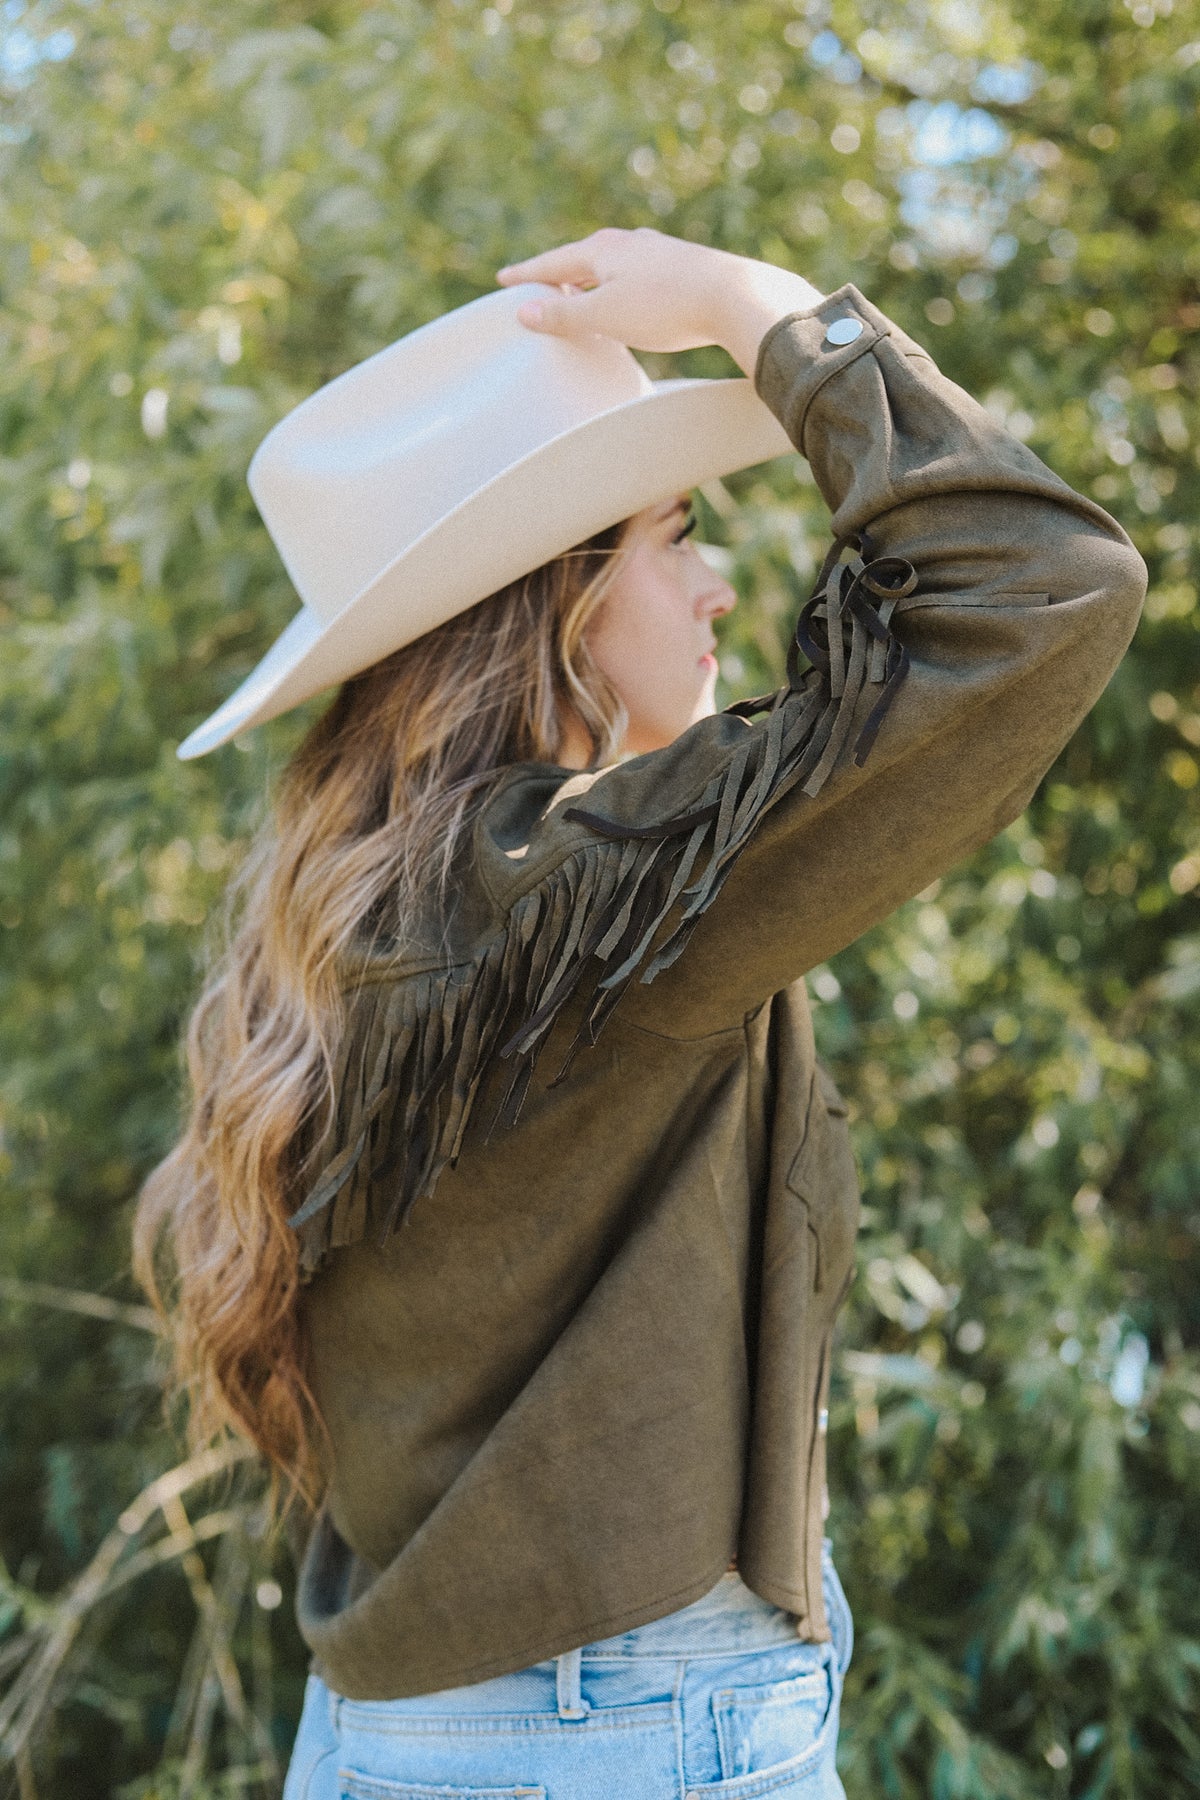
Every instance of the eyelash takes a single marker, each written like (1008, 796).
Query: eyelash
(690, 526)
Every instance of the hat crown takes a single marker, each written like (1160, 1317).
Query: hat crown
(452, 463)
(358, 472)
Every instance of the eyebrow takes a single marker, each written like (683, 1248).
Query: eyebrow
(682, 503)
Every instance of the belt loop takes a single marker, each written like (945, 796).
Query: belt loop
(571, 1703)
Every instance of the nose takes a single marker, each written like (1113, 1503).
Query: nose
(717, 598)
(714, 596)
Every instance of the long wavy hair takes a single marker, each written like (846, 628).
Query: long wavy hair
(369, 814)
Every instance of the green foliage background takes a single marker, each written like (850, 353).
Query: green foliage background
(207, 212)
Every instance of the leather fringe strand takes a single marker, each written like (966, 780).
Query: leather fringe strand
(415, 1052)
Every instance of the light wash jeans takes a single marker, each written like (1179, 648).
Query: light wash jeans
(718, 1701)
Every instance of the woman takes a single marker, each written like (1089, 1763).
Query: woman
(515, 1209)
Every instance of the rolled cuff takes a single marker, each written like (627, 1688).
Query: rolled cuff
(801, 342)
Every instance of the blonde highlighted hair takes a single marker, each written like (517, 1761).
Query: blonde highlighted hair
(370, 812)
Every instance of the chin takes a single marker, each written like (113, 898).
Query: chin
(706, 705)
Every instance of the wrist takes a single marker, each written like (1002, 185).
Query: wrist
(759, 295)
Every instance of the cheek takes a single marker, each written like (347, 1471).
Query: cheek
(649, 651)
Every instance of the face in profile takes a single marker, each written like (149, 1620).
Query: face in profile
(653, 633)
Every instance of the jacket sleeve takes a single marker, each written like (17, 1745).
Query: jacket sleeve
(972, 611)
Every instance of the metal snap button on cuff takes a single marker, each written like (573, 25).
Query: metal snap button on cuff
(844, 331)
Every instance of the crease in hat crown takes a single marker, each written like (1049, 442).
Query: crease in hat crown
(453, 461)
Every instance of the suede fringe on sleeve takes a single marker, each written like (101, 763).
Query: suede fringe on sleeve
(415, 1051)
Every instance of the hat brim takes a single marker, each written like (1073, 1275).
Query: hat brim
(676, 436)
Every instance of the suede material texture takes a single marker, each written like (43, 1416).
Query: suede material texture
(591, 1361)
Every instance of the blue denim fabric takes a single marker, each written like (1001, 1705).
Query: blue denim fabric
(718, 1701)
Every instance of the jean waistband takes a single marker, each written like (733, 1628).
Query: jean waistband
(729, 1618)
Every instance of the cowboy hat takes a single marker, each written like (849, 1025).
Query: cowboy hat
(452, 462)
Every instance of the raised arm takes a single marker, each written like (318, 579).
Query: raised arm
(982, 611)
(972, 610)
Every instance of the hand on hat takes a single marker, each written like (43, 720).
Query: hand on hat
(654, 292)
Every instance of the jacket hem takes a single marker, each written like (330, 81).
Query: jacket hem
(557, 1644)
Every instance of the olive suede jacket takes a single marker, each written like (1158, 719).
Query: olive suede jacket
(570, 1327)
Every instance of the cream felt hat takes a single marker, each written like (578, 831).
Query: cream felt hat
(460, 457)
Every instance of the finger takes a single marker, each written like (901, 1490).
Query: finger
(563, 315)
(569, 262)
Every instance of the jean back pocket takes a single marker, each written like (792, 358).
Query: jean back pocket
(352, 1786)
(760, 1727)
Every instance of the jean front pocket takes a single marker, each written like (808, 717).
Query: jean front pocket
(353, 1786)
